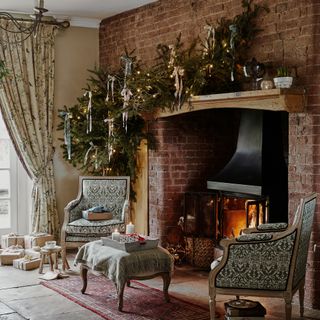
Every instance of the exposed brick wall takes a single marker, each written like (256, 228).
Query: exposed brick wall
(190, 149)
(291, 35)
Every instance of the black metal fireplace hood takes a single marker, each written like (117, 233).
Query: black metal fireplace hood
(259, 157)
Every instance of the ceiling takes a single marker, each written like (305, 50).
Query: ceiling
(87, 13)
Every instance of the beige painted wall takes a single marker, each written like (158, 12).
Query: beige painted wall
(77, 50)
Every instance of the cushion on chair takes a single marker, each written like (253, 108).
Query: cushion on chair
(254, 237)
(272, 226)
(84, 227)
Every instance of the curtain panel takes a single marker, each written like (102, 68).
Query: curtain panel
(26, 102)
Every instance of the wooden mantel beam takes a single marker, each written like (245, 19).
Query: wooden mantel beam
(290, 100)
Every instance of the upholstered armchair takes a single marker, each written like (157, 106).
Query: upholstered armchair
(110, 192)
(267, 264)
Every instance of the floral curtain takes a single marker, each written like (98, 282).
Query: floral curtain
(26, 102)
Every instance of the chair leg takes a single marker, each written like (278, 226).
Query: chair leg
(288, 308)
(212, 306)
(301, 299)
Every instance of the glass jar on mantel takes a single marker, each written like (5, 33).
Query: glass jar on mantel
(267, 82)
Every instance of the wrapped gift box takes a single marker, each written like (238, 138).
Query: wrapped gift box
(8, 255)
(32, 253)
(37, 239)
(131, 243)
(28, 263)
(92, 216)
(11, 239)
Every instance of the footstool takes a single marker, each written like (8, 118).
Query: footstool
(121, 266)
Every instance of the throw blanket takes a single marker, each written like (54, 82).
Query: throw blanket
(117, 264)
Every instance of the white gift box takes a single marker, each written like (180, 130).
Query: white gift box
(11, 239)
(26, 263)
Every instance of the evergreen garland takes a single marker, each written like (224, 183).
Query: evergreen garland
(105, 140)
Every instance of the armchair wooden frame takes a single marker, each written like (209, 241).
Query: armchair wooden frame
(292, 284)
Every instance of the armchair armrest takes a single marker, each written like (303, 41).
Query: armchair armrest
(254, 237)
(250, 259)
(267, 227)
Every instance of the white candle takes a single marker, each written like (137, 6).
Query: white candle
(130, 228)
(115, 235)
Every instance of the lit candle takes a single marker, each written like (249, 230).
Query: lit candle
(130, 228)
(115, 235)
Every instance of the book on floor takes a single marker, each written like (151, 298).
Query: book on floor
(244, 308)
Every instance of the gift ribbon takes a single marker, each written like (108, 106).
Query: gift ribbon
(67, 132)
(89, 113)
(233, 29)
(110, 86)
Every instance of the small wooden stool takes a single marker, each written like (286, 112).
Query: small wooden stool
(52, 254)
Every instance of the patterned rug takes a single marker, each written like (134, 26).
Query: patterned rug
(139, 301)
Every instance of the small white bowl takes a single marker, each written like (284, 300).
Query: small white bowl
(51, 244)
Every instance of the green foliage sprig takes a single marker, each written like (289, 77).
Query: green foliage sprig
(283, 72)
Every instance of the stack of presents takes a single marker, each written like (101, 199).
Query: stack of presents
(22, 252)
(242, 309)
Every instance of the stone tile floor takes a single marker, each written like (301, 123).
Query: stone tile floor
(22, 297)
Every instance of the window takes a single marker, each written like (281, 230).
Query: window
(15, 188)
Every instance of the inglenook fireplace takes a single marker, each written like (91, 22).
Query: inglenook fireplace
(194, 146)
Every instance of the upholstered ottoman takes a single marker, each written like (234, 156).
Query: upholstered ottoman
(121, 266)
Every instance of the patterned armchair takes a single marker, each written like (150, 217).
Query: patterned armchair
(266, 264)
(110, 192)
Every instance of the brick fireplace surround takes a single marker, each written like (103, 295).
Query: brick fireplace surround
(291, 35)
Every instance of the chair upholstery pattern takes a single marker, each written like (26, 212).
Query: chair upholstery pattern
(307, 219)
(249, 265)
(272, 226)
(110, 192)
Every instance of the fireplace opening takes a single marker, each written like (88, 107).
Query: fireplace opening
(218, 215)
(238, 213)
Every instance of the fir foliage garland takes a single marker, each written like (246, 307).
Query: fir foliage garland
(104, 130)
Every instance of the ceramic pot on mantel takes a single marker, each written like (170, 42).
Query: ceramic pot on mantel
(283, 82)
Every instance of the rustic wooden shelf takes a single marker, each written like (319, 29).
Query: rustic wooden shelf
(290, 100)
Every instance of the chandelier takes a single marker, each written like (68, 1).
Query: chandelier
(25, 30)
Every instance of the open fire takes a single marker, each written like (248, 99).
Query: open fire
(217, 215)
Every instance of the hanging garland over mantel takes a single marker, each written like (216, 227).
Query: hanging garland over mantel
(103, 131)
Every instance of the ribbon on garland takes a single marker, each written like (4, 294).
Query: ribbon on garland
(233, 29)
(210, 40)
(89, 113)
(67, 132)
(126, 94)
(95, 149)
(127, 67)
(178, 73)
(110, 122)
(110, 87)
(172, 55)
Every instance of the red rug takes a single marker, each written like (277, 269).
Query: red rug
(139, 301)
